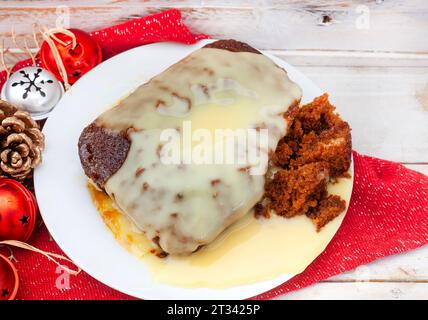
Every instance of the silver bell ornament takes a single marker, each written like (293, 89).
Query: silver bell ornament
(33, 89)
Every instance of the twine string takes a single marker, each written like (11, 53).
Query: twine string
(50, 255)
(52, 32)
(49, 36)
(11, 256)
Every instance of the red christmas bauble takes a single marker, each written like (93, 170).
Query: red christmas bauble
(18, 211)
(86, 55)
(9, 281)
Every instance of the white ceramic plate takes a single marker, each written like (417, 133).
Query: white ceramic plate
(60, 184)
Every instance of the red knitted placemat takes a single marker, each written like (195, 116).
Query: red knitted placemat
(388, 214)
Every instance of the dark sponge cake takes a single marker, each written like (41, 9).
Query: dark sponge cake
(296, 191)
(232, 45)
(316, 133)
(102, 151)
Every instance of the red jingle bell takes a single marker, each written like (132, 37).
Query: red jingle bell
(9, 281)
(18, 211)
(78, 60)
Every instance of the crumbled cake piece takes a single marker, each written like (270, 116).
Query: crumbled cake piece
(316, 116)
(328, 209)
(332, 146)
(293, 192)
(284, 152)
(316, 150)
(316, 134)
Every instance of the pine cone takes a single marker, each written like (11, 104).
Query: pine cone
(21, 142)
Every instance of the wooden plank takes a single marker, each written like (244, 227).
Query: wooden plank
(422, 168)
(397, 26)
(387, 108)
(342, 58)
(410, 266)
(361, 290)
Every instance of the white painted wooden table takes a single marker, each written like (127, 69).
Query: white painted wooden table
(371, 56)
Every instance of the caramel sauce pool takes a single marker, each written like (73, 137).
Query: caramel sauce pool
(249, 251)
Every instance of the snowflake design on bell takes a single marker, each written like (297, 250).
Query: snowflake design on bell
(33, 89)
(32, 83)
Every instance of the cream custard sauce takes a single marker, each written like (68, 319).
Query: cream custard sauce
(182, 206)
(249, 251)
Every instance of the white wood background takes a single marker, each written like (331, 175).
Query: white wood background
(376, 74)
